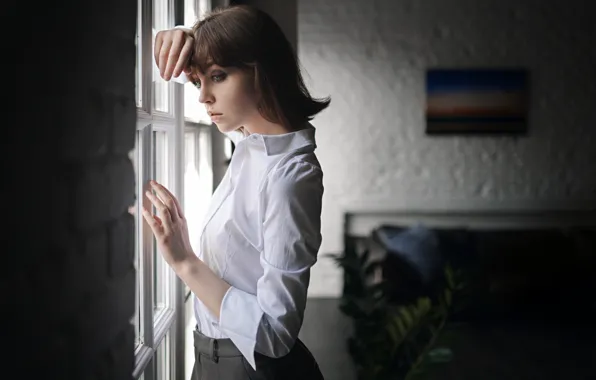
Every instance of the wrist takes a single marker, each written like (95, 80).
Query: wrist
(187, 266)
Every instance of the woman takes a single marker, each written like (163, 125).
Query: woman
(261, 234)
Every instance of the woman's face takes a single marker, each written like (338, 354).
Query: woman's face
(229, 96)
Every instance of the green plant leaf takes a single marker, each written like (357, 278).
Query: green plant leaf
(393, 333)
(448, 297)
(401, 327)
(408, 318)
(424, 305)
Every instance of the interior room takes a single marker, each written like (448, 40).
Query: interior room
(458, 217)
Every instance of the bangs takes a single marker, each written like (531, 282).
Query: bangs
(221, 49)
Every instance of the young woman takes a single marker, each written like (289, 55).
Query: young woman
(261, 233)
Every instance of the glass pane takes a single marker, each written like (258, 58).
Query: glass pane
(189, 357)
(198, 181)
(160, 22)
(205, 171)
(135, 155)
(163, 358)
(204, 7)
(190, 14)
(138, 75)
(228, 148)
(191, 180)
(193, 110)
(161, 268)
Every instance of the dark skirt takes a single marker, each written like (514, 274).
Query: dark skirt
(219, 359)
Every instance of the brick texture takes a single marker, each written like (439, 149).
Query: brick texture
(68, 281)
(371, 56)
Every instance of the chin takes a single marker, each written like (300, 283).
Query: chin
(225, 128)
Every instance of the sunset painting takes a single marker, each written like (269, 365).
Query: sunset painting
(476, 101)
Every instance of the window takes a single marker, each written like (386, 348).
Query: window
(173, 146)
(159, 136)
(162, 14)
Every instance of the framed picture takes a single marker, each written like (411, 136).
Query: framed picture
(476, 101)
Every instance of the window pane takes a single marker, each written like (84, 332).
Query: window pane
(138, 76)
(228, 148)
(198, 181)
(161, 268)
(160, 22)
(135, 210)
(190, 14)
(163, 358)
(193, 110)
(204, 7)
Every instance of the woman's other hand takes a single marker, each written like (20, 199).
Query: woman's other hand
(169, 226)
(172, 51)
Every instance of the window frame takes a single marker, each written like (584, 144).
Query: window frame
(161, 350)
(156, 324)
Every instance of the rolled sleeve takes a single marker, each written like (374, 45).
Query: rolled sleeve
(269, 322)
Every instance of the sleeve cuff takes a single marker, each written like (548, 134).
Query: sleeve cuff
(241, 328)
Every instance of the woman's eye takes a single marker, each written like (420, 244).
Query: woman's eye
(218, 77)
(197, 85)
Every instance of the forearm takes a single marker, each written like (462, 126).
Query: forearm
(205, 284)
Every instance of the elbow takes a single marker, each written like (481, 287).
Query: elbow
(281, 348)
(275, 342)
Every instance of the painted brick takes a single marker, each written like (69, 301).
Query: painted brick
(121, 245)
(371, 56)
(114, 180)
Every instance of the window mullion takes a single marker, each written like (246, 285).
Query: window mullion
(147, 54)
(148, 172)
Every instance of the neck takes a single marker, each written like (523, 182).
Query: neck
(264, 127)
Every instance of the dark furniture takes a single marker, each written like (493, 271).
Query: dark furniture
(529, 309)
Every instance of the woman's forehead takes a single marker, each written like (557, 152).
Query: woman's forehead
(201, 68)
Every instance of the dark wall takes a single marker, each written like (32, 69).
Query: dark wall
(68, 277)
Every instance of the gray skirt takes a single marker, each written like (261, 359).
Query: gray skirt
(219, 359)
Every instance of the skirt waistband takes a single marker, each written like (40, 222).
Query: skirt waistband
(214, 348)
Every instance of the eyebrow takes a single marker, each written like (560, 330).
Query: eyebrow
(208, 65)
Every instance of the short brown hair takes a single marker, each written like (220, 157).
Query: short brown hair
(246, 37)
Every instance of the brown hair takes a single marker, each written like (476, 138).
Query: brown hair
(246, 37)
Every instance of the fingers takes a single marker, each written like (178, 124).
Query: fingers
(184, 57)
(177, 59)
(154, 222)
(166, 217)
(172, 52)
(169, 194)
(157, 48)
(163, 56)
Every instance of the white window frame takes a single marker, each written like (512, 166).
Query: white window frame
(162, 351)
(156, 351)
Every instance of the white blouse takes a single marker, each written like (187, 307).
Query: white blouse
(262, 234)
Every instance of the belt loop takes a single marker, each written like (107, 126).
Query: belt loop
(213, 349)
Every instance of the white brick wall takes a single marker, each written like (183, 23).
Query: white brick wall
(370, 56)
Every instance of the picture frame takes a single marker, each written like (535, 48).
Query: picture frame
(477, 100)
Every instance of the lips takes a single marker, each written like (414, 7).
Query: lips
(213, 113)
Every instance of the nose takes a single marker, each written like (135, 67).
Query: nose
(205, 95)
